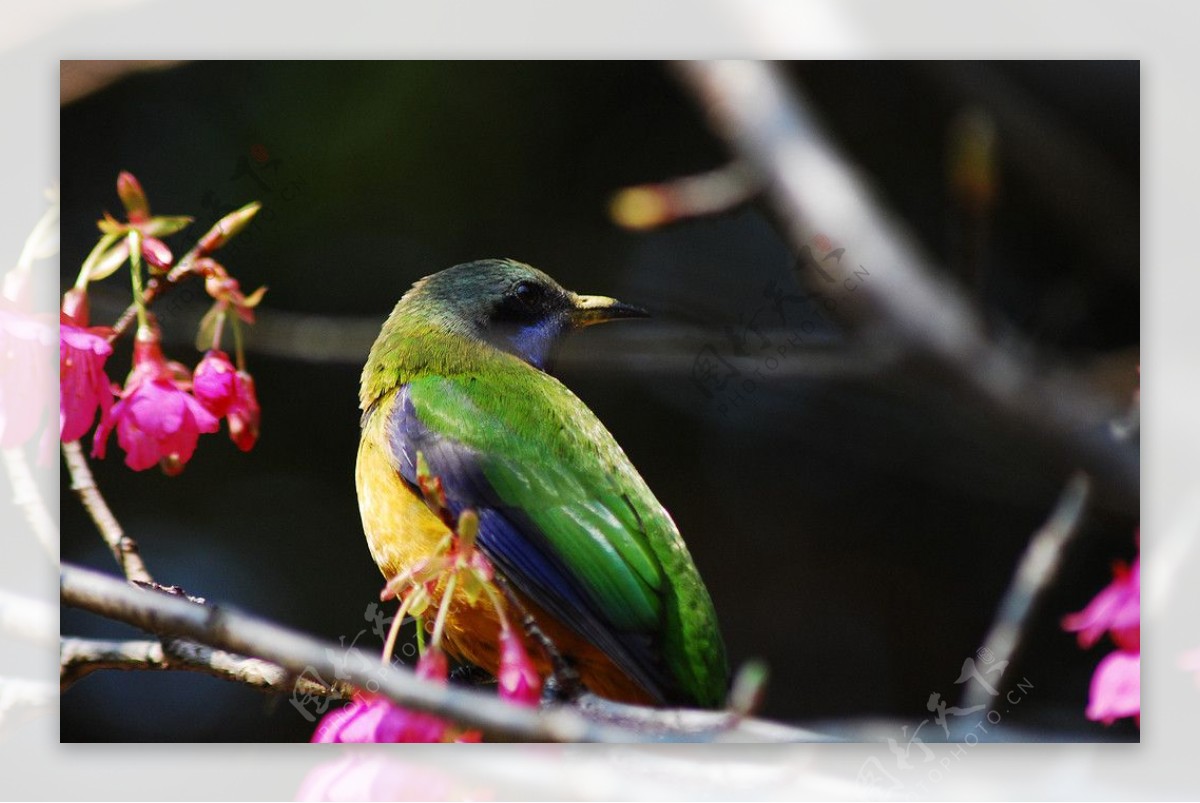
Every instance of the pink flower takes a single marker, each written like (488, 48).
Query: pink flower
(156, 419)
(228, 393)
(84, 385)
(244, 413)
(214, 383)
(1116, 684)
(1116, 610)
(519, 680)
(1116, 690)
(371, 718)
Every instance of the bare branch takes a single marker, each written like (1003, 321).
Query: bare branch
(28, 618)
(29, 499)
(21, 693)
(80, 657)
(813, 189)
(124, 548)
(1035, 573)
(226, 629)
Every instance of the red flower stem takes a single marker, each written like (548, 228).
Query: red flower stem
(124, 548)
(447, 600)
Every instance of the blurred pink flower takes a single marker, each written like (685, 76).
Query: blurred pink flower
(26, 343)
(1116, 610)
(1116, 684)
(519, 680)
(156, 419)
(84, 385)
(371, 718)
(358, 777)
(1116, 689)
(1190, 662)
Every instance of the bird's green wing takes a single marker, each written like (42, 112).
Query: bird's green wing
(566, 517)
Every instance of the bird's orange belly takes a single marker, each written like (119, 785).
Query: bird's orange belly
(401, 530)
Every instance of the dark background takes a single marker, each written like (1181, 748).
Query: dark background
(856, 527)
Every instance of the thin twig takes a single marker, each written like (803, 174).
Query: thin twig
(813, 189)
(124, 548)
(28, 497)
(155, 287)
(227, 629)
(79, 657)
(28, 618)
(1036, 572)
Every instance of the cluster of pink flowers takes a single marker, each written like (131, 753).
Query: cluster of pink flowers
(1117, 682)
(458, 567)
(163, 407)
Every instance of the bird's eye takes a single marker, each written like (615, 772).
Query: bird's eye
(526, 291)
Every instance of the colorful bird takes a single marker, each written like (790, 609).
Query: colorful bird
(458, 375)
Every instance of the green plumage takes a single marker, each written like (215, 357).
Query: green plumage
(463, 349)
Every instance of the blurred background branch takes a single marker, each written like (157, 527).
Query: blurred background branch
(814, 189)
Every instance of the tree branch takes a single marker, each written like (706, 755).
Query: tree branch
(223, 628)
(79, 657)
(124, 548)
(813, 189)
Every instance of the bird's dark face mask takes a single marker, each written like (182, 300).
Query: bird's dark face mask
(531, 318)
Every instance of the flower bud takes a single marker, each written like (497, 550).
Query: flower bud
(137, 208)
(519, 680)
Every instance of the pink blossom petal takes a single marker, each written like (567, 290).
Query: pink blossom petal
(519, 680)
(1116, 690)
(214, 383)
(83, 385)
(1116, 609)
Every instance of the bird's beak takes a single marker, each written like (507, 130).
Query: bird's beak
(598, 309)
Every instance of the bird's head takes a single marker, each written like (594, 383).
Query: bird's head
(511, 306)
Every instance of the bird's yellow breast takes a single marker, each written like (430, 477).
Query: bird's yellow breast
(399, 526)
